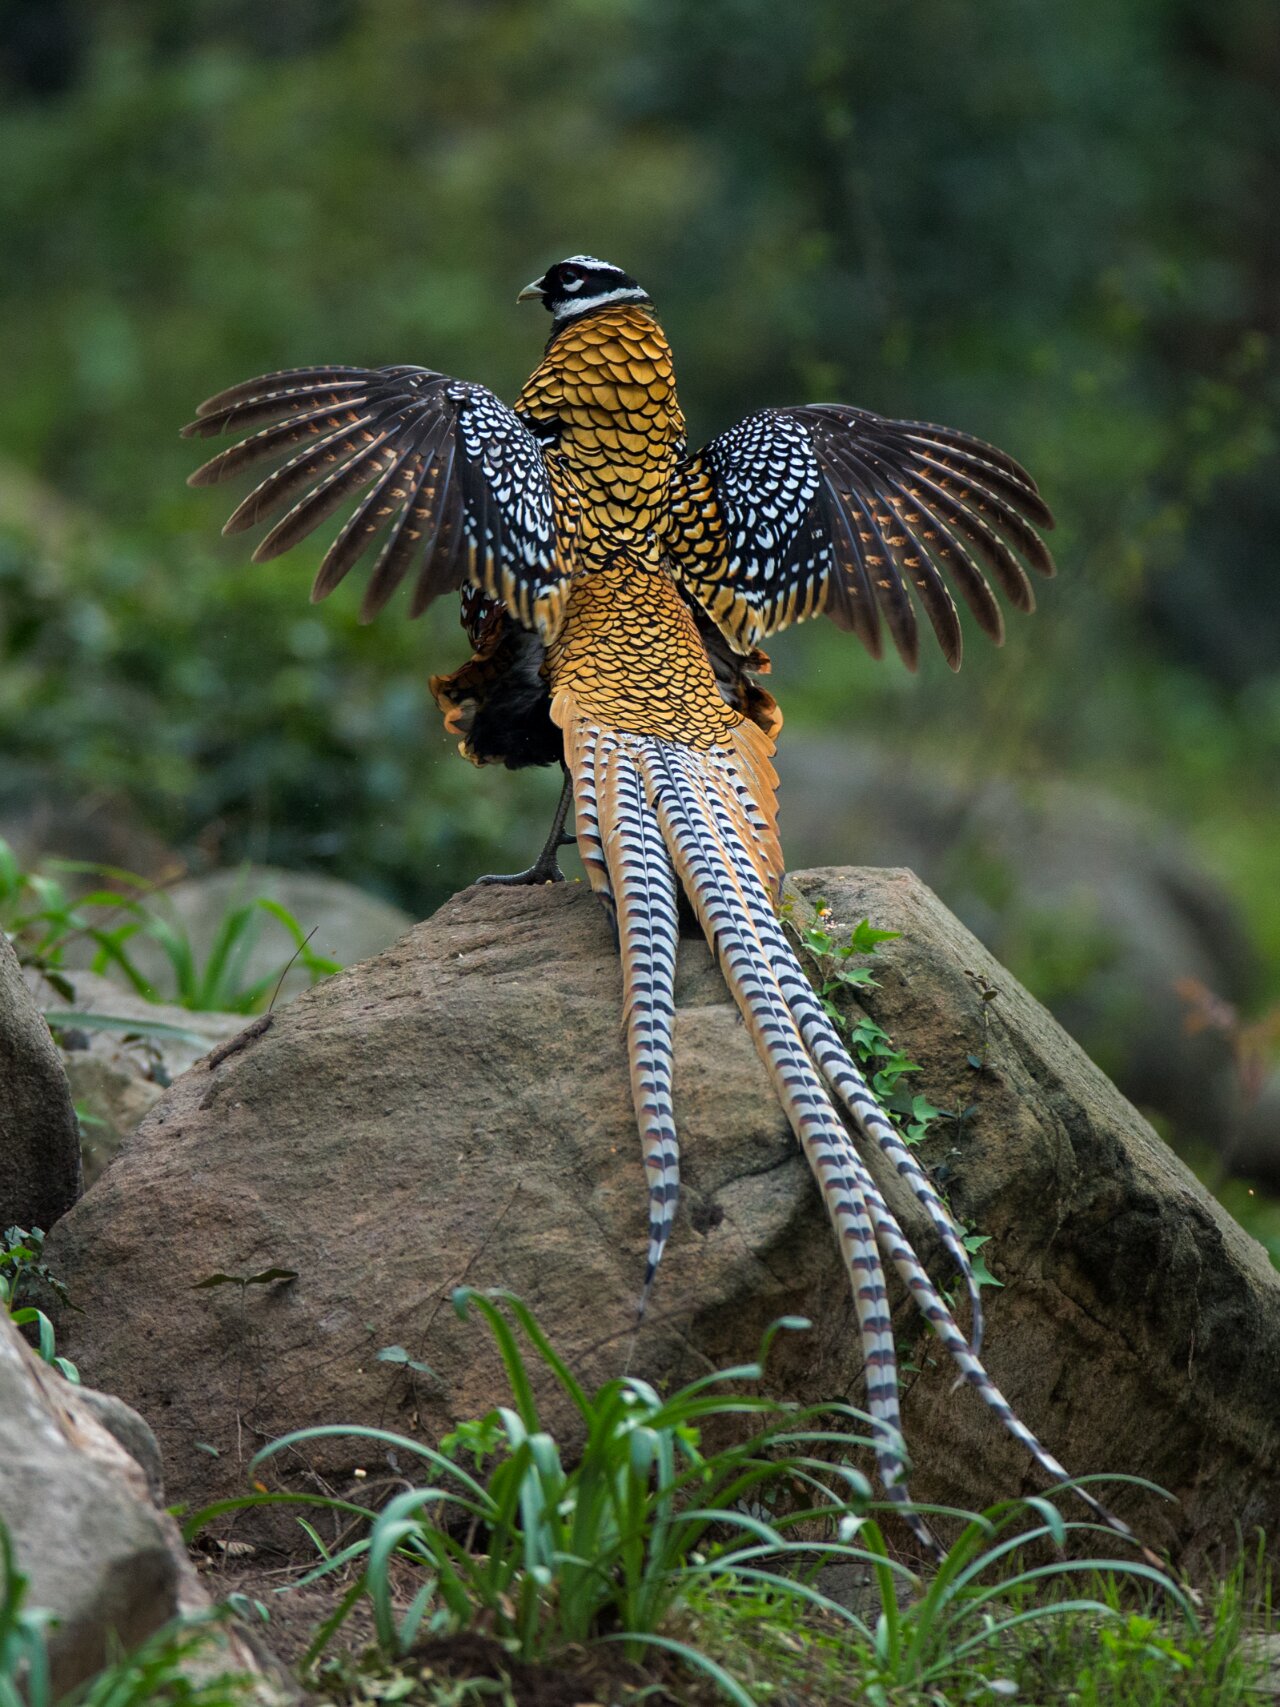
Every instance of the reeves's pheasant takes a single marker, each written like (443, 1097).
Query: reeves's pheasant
(615, 589)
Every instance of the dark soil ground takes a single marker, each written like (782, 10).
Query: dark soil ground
(601, 1677)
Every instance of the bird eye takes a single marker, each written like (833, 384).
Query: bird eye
(571, 279)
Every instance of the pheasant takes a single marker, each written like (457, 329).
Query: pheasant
(615, 589)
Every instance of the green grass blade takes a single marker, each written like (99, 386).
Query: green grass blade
(384, 1437)
(64, 1017)
(244, 1502)
(176, 948)
(533, 1330)
(216, 985)
(333, 1623)
(508, 1349)
(726, 1577)
(702, 1662)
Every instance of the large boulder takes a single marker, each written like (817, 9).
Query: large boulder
(39, 1133)
(457, 1109)
(118, 1073)
(79, 1495)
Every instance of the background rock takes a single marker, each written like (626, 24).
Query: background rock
(1102, 908)
(42, 823)
(457, 1110)
(1253, 1149)
(78, 1508)
(78, 1513)
(39, 1135)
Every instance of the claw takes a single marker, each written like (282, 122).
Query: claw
(541, 871)
(544, 869)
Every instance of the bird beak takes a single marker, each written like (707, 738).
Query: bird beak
(531, 292)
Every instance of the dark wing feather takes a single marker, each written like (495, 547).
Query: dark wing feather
(449, 482)
(908, 545)
(831, 508)
(382, 501)
(279, 385)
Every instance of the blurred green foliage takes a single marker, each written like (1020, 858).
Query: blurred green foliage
(1049, 223)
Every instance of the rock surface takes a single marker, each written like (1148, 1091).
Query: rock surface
(118, 1076)
(79, 1510)
(39, 1134)
(458, 1110)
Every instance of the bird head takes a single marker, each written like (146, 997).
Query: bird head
(578, 285)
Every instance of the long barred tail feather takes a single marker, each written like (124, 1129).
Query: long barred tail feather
(581, 744)
(628, 867)
(737, 827)
(703, 864)
(644, 890)
(651, 811)
(823, 1042)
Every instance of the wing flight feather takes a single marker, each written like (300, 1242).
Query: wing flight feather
(831, 508)
(450, 482)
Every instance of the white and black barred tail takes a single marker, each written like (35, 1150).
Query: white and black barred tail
(650, 812)
(627, 863)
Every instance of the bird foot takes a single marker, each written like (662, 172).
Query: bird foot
(541, 871)
(544, 869)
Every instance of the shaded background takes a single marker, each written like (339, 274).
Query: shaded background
(1052, 224)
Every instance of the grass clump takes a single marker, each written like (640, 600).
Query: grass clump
(711, 1571)
(22, 1270)
(44, 919)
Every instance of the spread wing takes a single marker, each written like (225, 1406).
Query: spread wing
(828, 508)
(452, 485)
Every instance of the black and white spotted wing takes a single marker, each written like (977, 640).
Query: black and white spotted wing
(451, 484)
(828, 508)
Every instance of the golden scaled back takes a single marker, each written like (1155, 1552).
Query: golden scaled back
(630, 657)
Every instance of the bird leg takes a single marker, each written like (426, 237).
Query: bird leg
(545, 869)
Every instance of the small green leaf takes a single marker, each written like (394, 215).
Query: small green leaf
(856, 977)
(982, 1275)
(60, 1019)
(865, 938)
(397, 1354)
